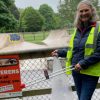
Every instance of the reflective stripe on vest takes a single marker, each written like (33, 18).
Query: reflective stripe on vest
(93, 70)
(89, 49)
(69, 53)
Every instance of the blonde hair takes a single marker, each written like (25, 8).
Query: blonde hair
(95, 16)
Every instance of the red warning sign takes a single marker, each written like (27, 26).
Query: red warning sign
(10, 82)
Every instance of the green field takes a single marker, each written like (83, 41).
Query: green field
(35, 37)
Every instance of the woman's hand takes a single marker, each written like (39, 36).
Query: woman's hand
(78, 67)
(54, 53)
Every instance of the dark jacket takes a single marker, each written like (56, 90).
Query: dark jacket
(79, 47)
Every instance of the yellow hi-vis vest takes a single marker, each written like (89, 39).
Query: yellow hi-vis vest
(93, 70)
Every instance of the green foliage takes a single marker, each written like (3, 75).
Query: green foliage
(8, 3)
(67, 11)
(14, 11)
(57, 21)
(32, 20)
(13, 19)
(3, 7)
(95, 3)
(48, 13)
(21, 24)
(7, 21)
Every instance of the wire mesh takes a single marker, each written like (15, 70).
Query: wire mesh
(32, 69)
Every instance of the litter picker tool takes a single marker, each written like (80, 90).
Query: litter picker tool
(55, 73)
(47, 76)
(61, 90)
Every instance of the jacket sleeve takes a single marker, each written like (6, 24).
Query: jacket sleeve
(94, 58)
(62, 52)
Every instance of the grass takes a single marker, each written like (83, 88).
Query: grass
(35, 37)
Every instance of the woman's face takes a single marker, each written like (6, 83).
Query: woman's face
(85, 12)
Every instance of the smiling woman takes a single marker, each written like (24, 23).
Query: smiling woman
(85, 12)
(35, 4)
(84, 51)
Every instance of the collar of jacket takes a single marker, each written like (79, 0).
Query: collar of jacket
(92, 24)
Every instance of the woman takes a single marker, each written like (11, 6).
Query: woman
(84, 51)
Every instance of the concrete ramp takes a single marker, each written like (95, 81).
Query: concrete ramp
(3, 40)
(14, 43)
(57, 38)
(10, 39)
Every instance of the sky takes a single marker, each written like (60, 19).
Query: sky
(36, 3)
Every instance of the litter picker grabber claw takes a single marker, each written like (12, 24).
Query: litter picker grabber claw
(48, 76)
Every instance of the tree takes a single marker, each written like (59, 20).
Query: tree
(57, 21)
(48, 14)
(8, 3)
(95, 3)
(21, 23)
(32, 19)
(7, 21)
(14, 11)
(3, 7)
(67, 10)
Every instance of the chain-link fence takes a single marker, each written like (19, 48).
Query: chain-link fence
(32, 69)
